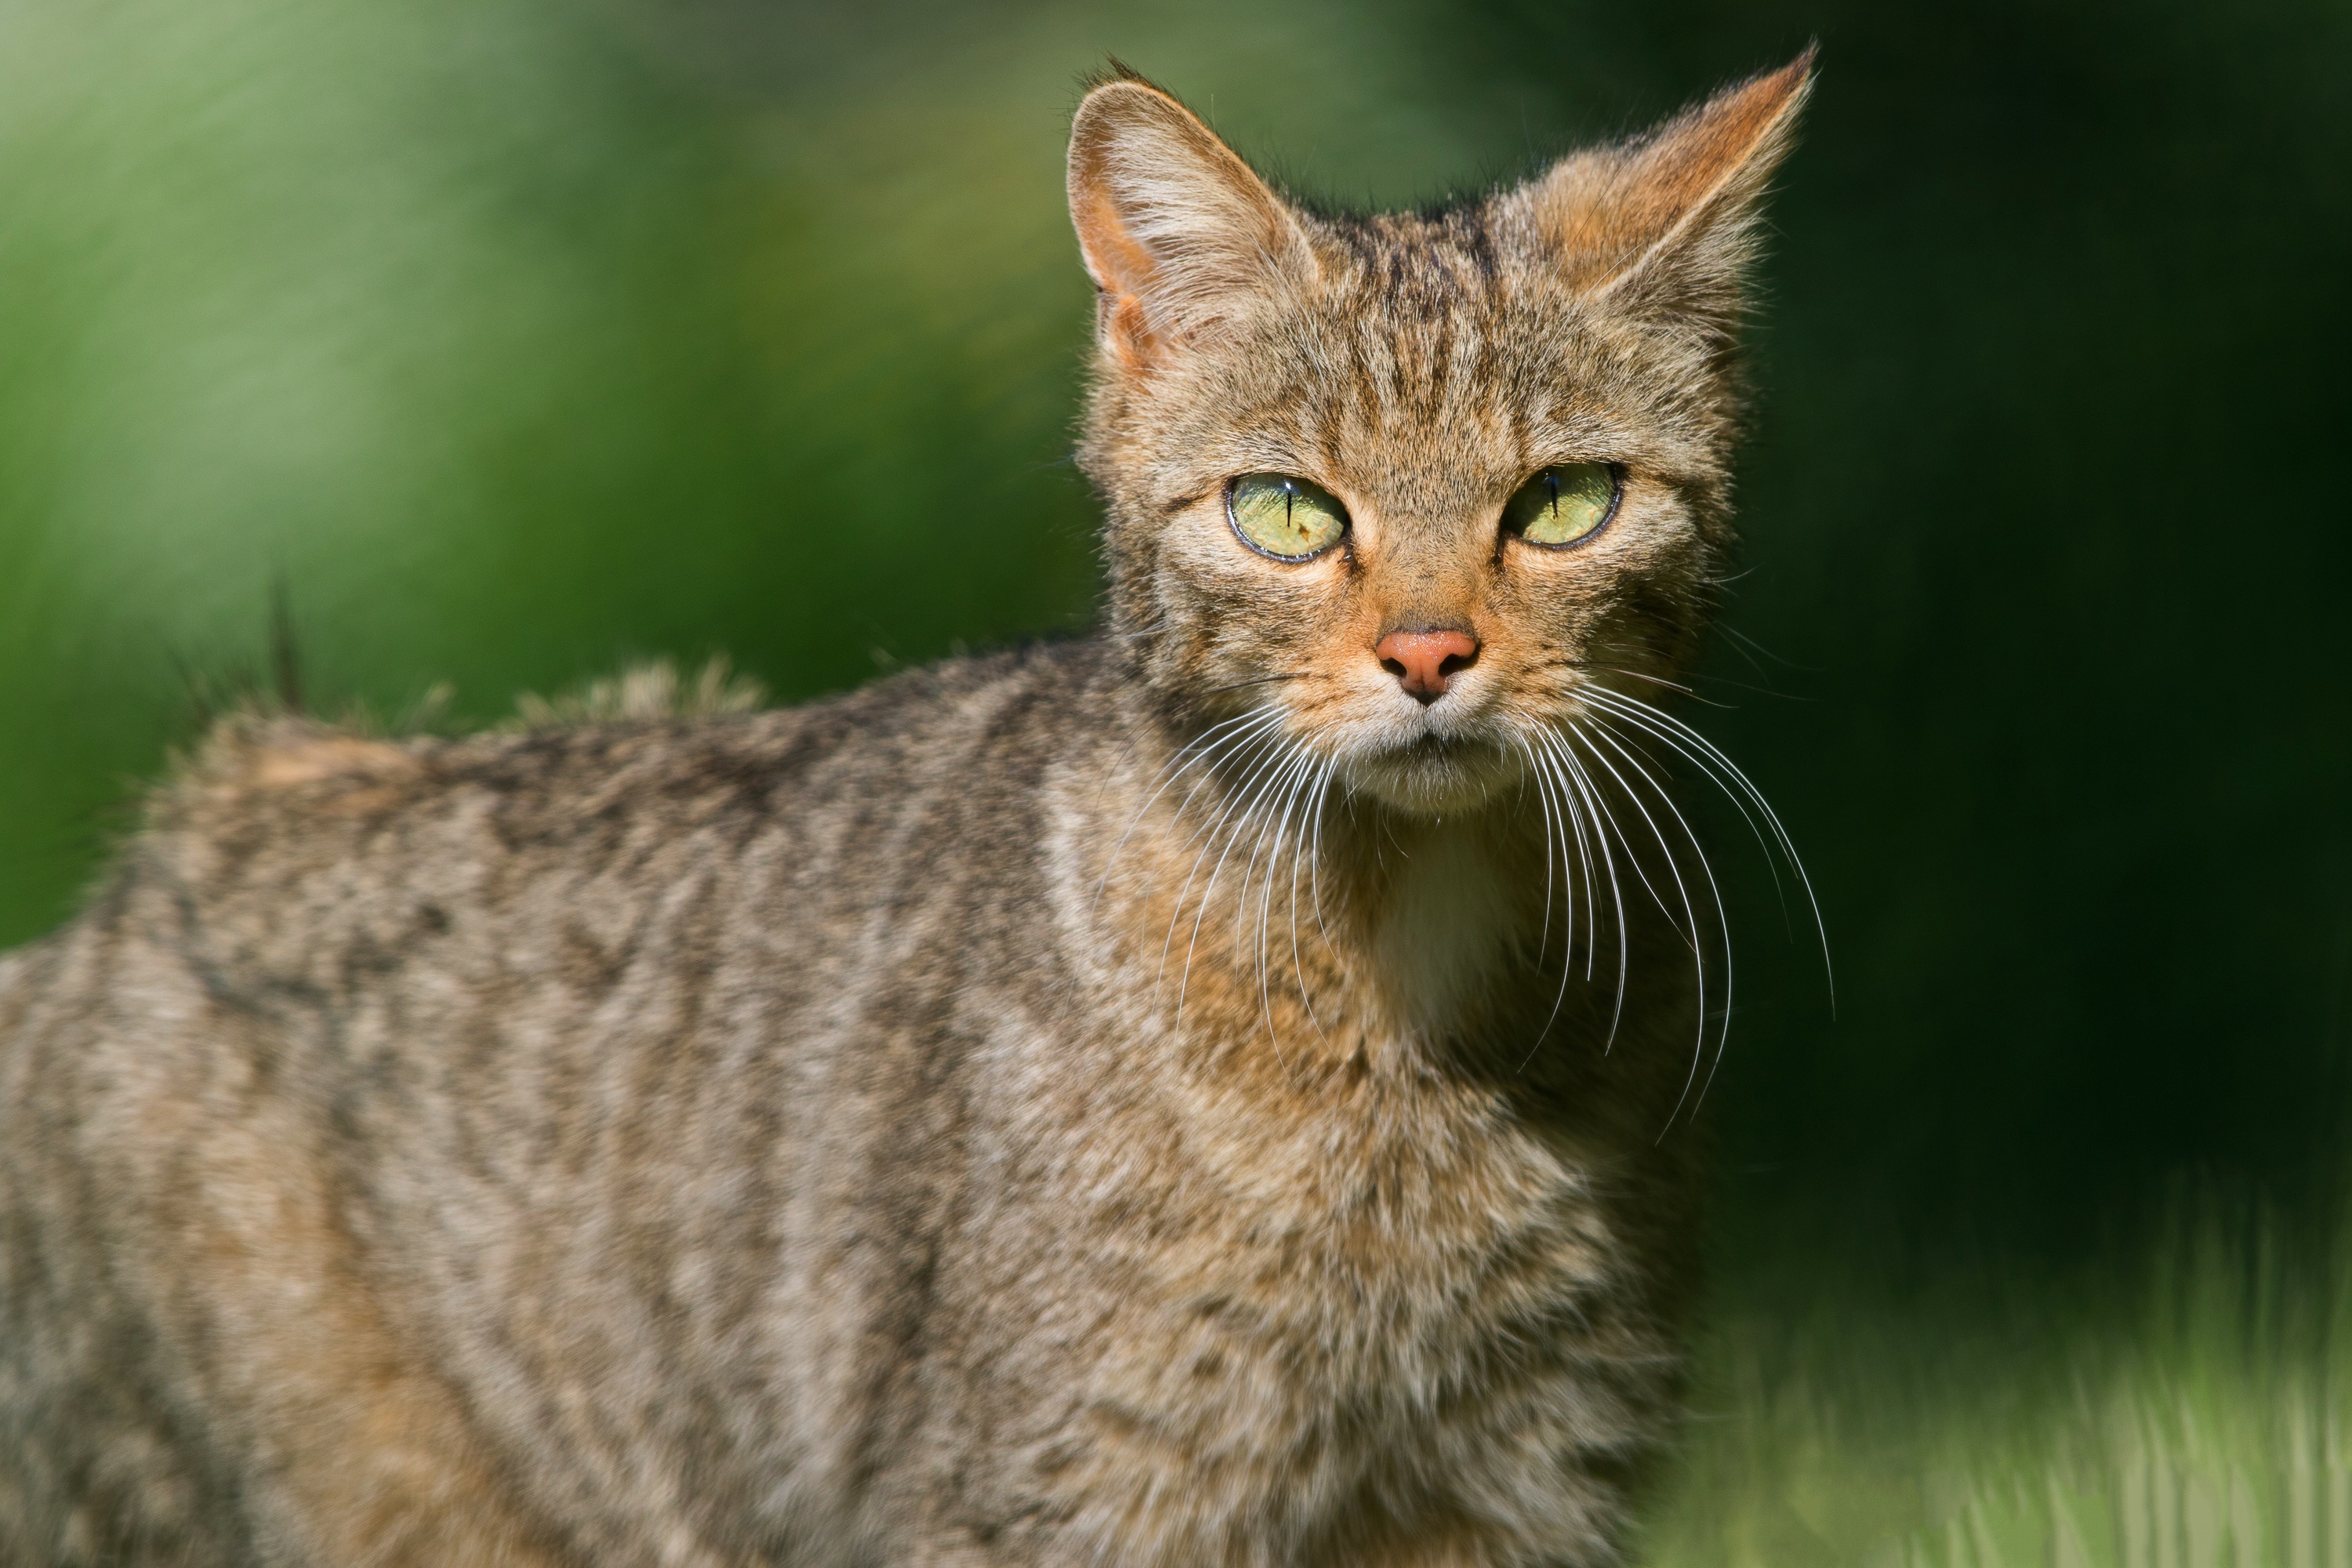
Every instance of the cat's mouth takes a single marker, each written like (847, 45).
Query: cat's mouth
(1433, 774)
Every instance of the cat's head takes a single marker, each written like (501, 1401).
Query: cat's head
(1414, 480)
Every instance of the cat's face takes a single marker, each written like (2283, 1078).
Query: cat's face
(1405, 487)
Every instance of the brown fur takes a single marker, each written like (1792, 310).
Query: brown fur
(997, 1116)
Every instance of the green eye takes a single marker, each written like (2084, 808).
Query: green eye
(1283, 517)
(1563, 504)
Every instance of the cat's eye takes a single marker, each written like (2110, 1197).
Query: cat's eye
(1283, 517)
(1563, 504)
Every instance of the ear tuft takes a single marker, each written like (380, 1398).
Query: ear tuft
(1176, 233)
(1665, 223)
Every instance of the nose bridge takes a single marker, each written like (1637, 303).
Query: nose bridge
(1425, 577)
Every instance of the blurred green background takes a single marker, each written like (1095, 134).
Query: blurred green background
(517, 337)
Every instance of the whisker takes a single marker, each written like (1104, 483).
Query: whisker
(1178, 763)
(1584, 863)
(1589, 793)
(1723, 926)
(1315, 866)
(1636, 674)
(1690, 911)
(1735, 635)
(1568, 934)
(1210, 832)
(1206, 833)
(1286, 779)
(1300, 782)
(1254, 680)
(1606, 700)
(1252, 791)
(1315, 821)
(1543, 938)
(1642, 873)
(1691, 692)
(1634, 709)
(1269, 783)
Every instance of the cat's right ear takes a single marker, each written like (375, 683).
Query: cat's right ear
(1179, 235)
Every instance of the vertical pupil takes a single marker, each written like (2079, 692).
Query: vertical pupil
(1551, 486)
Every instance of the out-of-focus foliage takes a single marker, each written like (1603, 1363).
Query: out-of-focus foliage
(516, 338)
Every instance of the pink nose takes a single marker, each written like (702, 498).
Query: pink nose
(1423, 661)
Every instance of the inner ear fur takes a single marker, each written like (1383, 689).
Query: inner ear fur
(1667, 222)
(1177, 232)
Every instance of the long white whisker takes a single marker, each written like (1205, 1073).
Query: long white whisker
(1301, 800)
(1233, 743)
(1634, 759)
(1638, 716)
(1576, 814)
(1276, 785)
(1314, 864)
(1568, 933)
(1266, 1004)
(1543, 938)
(1589, 793)
(1642, 873)
(1252, 791)
(1298, 845)
(1632, 706)
(1293, 775)
(1298, 791)
(1182, 762)
(1723, 925)
(1690, 914)
(1233, 747)
(1282, 780)
(1216, 823)
(1575, 825)
(1598, 801)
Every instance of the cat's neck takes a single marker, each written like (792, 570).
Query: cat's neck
(1438, 910)
(1340, 927)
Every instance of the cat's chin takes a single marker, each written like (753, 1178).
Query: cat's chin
(1432, 779)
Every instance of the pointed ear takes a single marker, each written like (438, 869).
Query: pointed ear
(1667, 224)
(1178, 234)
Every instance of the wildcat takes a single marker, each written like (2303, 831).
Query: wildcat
(1203, 1094)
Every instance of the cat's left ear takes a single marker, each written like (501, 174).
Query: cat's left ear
(1665, 225)
(1177, 233)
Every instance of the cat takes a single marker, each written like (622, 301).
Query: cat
(1212, 1092)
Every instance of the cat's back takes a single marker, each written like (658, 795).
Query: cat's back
(508, 889)
(304, 858)
(494, 1023)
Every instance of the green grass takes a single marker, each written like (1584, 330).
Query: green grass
(2189, 1410)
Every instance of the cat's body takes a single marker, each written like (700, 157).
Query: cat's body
(1031, 1111)
(746, 1128)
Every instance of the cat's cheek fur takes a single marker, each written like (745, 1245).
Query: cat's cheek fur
(1243, 624)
